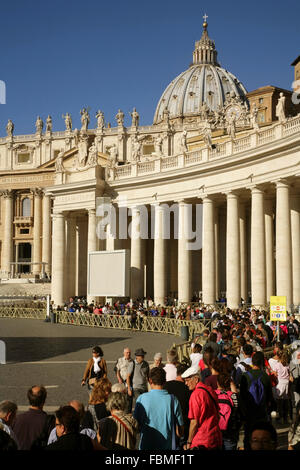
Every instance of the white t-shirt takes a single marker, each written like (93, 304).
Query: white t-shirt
(196, 358)
(171, 372)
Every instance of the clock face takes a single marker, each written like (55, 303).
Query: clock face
(233, 112)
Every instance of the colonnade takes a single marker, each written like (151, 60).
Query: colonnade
(255, 253)
(250, 246)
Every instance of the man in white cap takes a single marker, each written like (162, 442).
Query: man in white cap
(203, 413)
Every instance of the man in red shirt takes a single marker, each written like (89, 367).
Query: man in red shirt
(203, 413)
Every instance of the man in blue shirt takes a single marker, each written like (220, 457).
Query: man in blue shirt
(159, 415)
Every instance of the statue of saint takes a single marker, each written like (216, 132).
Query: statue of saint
(253, 118)
(92, 156)
(120, 118)
(166, 116)
(49, 124)
(204, 110)
(183, 142)
(10, 128)
(280, 108)
(136, 149)
(207, 134)
(59, 162)
(82, 151)
(135, 117)
(39, 125)
(158, 145)
(85, 119)
(68, 121)
(113, 152)
(100, 119)
(231, 126)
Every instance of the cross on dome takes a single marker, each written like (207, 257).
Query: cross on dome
(205, 17)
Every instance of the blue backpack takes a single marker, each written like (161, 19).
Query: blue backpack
(256, 389)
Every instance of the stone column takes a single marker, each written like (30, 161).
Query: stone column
(233, 279)
(243, 251)
(92, 239)
(37, 231)
(58, 259)
(7, 248)
(295, 231)
(284, 284)
(159, 275)
(136, 256)
(208, 253)
(270, 259)
(184, 254)
(70, 287)
(47, 234)
(258, 249)
(217, 251)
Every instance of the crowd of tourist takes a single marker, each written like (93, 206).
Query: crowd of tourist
(225, 390)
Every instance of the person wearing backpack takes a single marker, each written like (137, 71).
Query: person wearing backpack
(230, 421)
(256, 398)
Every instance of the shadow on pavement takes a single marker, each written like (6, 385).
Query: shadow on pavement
(38, 349)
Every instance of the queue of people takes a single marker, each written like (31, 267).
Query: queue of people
(226, 389)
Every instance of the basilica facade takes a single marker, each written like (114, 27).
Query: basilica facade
(223, 160)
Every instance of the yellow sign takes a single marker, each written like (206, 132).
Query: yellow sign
(278, 308)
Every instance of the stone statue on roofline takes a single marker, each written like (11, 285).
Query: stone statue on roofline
(158, 143)
(68, 122)
(10, 128)
(100, 119)
(49, 124)
(280, 108)
(39, 125)
(254, 118)
(207, 134)
(120, 117)
(135, 118)
(230, 122)
(183, 142)
(136, 151)
(85, 119)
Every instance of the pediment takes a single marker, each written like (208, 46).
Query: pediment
(70, 158)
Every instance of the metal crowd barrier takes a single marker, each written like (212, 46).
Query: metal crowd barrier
(124, 322)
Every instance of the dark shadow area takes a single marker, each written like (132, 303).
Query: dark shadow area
(38, 349)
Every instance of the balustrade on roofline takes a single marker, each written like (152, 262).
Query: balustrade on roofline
(194, 157)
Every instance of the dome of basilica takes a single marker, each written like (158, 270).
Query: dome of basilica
(205, 82)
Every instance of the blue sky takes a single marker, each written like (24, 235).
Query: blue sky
(60, 56)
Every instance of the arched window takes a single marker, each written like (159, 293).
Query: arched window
(26, 207)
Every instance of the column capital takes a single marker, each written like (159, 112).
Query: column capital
(58, 215)
(231, 194)
(207, 198)
(8, 193)
(255, 189)
(37, 192)
(282, 183)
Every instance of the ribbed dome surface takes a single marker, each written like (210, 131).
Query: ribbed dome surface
(204, 82)
(201, 83)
